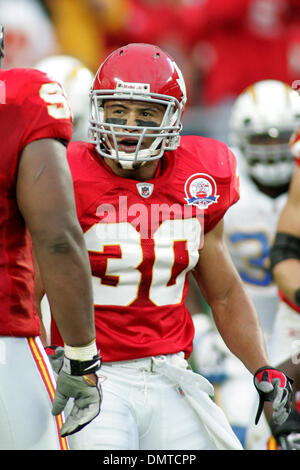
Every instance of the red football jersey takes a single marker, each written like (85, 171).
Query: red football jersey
(143, 239)
(31, 108)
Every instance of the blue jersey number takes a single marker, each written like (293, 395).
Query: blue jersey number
(256, 269)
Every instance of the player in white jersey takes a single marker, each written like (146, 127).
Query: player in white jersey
(262, 121)
(250, 228)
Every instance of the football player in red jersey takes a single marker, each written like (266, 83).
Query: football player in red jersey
(137, 189)
(37, 208)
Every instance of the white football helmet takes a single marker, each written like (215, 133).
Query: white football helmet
(262, 121)
(76, 80)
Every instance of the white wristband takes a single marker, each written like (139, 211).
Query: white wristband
(81, 353)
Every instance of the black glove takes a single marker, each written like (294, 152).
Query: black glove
(287, 435)
(273, 385)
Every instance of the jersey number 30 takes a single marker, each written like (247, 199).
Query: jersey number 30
(170, 262)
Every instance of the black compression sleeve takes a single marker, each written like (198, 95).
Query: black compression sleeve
(285, 246)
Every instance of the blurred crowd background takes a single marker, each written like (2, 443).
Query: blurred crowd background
(221, 46)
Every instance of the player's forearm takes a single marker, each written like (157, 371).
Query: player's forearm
(37, 306)
(239, 327)
(65, 271)
(285, 252)
(286, 275)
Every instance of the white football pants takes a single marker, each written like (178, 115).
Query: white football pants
(156, 404)
(27, 387)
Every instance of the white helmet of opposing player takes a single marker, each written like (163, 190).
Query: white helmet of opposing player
(262, 121)
(76, 79)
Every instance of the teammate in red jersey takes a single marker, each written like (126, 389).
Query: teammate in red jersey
(37, 205)
(145, 201)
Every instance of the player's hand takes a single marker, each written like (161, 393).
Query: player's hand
(274, 386)
(87, 393)
(77, 380)
(287, 435)
(56, 357)
(289, 441)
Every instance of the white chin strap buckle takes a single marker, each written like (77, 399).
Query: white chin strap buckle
(128, 165)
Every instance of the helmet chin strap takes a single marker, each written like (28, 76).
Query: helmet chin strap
(128, 165)
(134, 163)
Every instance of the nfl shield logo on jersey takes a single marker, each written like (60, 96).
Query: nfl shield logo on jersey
(201, 190)
(145, 189)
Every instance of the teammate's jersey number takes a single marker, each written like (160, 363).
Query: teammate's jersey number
(176, 245)
(253, 251)
(58, 106)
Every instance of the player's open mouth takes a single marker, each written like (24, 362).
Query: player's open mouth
(128, 145)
